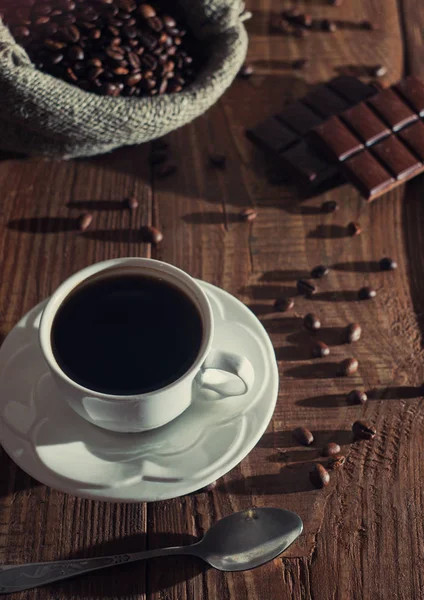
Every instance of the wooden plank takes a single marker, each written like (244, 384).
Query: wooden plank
(40, 247)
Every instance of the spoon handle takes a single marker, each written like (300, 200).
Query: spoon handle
(15, 578)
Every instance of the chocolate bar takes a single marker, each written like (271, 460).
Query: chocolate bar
(287, 129)
(345, 127)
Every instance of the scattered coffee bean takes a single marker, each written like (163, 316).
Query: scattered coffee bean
(319, 476)
(300, 63)
(248, 214)
(388, 264)
(134, 54)
(166, 169)
(363, 431)
(366, 293)
(311, 322)
(354, 228)
(150, 234)
(284, 304)
(378, 71)
(357, 397)
(84, 221)
(305, 288)
(218, 160)
(348, 367)
(331, 449)
(353, 333)
(131, 202)
(303, 436)
(246, 71)
(319, 271)
(328, 25)
(336, 462)
(329, 207)
(319, 350)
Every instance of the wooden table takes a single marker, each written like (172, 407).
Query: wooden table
(363, 534)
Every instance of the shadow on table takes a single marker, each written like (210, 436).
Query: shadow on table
(314, 370)
(131, 580)
(287, 275)
(332, 336)
(329, 231)
(43, 224)
(97, 205)
(12, 479)
(211, 218)
(285, 439)
(360, 266)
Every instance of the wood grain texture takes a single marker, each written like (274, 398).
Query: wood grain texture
(363, 535)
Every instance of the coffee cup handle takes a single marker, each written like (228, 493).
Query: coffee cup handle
(218, 360)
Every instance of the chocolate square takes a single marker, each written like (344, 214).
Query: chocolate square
(365, 123)
(413, 136)
(305, 163)
(336, 139)
(392, 109)
(352, 89)
(299, 117)
(412, 90)
(325, 102)
(272, 135)
(367, 174)
(396, 157)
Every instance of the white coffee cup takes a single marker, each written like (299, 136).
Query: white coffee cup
(145, 411)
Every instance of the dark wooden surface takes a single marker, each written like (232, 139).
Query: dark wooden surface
(363, 536)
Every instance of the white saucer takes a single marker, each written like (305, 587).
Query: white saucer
(54, 445)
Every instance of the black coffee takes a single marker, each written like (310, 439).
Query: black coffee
(126, 335)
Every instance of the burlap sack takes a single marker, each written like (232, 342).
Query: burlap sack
(40, 114)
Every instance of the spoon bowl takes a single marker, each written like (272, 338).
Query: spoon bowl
(249, 538)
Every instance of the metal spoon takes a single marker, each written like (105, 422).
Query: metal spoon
(241, 541)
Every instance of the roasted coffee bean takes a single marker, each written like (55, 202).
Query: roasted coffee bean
(284, 304)
(388, 264)
(85, 221)
(134, 60)
(378, 71)
(348, 367)
(218, 160)
(133, 79)
(303, 436)
(168, 21)
(354, 228)
(146, 11)
(331, 449)
(319, 476)
(357, 397)
(71, 75)
(363, 431)
(319, 271)
(110, 89)
(320, 349)
(366, 293)
(155, 23)
(248, 214)
(76, 53)
(330, 206)
(305, 288)
(95, 34)
(246, 71)
(336, 462)
(353, 333)
(165, 170)
(311, 322)
(328, 25)
(94, 73)
(300, 63)
(150, 234)
(131, 202)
